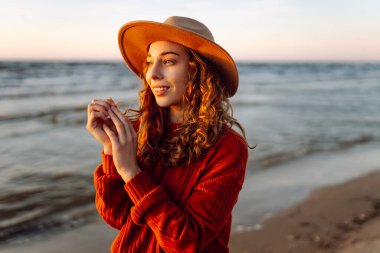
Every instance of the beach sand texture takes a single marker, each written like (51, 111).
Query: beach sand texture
(340, 218)
(96, 237)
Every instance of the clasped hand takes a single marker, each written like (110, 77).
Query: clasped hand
(122, 137)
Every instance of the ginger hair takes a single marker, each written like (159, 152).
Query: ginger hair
(207, 114)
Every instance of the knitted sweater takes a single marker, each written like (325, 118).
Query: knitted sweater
(177, 209)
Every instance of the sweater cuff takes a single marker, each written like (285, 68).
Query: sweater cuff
(139, 186)
(108, 165)
(145, 194)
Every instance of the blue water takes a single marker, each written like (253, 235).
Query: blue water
(290, 110)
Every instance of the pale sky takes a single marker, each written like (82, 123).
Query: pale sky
(255, 30)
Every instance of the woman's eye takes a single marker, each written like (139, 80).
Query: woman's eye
(166, 62)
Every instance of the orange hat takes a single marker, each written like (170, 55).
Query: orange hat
(136, 36)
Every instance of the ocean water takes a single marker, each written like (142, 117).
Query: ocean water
(47, 157)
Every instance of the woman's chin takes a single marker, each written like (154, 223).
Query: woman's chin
(162, 104)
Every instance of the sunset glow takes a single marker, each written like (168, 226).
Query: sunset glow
(250, 30)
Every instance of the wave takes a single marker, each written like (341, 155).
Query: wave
(52, 112)
(46, 94)
(43, 201)
(273, 159)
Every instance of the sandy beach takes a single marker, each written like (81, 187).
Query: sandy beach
(341, 218)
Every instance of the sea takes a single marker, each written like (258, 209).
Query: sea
(290, 110)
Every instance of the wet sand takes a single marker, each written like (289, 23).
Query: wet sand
(343, 218)
(91, 238)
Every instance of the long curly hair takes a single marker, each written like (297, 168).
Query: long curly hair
(207, 114)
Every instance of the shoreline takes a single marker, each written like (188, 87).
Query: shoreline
(267, 192)
(342, 218)
(92, 238)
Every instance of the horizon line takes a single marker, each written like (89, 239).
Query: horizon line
(237, 60)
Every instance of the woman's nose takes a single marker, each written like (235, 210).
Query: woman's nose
(154, 71)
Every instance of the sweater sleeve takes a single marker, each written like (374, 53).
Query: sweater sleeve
(193, 225)
(111, 200)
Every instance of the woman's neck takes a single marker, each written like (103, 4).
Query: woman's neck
(176, 115)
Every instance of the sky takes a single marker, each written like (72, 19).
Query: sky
(250, 30)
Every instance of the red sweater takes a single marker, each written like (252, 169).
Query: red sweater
(177, 209)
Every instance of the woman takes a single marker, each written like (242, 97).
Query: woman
(171, 171)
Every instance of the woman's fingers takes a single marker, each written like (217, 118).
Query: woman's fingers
(113, 118)
(95, 114)
(120, 127)
(92, 121)
(132, 130)
(127, 124)
(110, 100)
(111, 135)
(99, 108)
(104, 102)
(100, 105)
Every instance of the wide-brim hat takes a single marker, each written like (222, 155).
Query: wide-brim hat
(136, 36)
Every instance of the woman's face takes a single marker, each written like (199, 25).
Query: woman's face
(167, 73)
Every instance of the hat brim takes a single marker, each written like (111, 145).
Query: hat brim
(135, 37)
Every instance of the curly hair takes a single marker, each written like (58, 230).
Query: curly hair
(207, 114)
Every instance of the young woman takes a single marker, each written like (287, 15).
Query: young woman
(171, 171)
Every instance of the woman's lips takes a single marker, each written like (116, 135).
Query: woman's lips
(160, 90)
